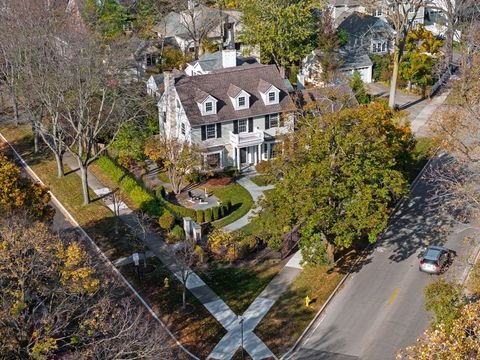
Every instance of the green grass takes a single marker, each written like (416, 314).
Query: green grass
(238, 286)
(199, 331)
(261, 180)
(241, 200)
(95, 217)
(289, 316)
(421, 155)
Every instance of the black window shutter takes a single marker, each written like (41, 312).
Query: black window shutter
(250, 124)
(267, 122)
(235, 126)
(204, 132)
(219, 130)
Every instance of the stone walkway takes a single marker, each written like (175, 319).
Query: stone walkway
(256, 192)
(227, 347)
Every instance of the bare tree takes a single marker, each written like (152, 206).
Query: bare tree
(186, 258)
(454, 11)
(457, 131)
(401, 14)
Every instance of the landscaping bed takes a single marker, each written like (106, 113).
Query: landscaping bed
(261, 180)
(289, 316)
(241, 201)
(239, 285)
(198, 330)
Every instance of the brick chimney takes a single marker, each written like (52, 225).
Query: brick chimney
(170, 103)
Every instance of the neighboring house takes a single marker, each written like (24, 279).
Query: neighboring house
(209, 62)
(145, 55)
(155, 85)
(181, 29)
(367, 35)
(236, 116)
(327, 99)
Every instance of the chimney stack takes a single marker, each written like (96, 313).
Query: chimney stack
(170, 106)
(229, 58)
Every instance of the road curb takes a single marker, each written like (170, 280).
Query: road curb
(97, 250)
(414, 183)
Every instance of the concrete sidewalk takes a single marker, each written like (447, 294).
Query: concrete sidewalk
(212, 302)
(256, 192)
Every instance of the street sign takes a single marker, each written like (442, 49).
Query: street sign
(136, 259)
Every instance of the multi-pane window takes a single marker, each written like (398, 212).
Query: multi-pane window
(242, 125)
(208, 107)
(213, 160)
(210, 131)
(271, 96)
(273, 120)
(241, 101)
(182, 126)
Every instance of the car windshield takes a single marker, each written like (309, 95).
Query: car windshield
(432, 254)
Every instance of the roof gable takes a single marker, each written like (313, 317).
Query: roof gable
(218, 83)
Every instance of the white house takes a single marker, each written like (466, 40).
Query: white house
(234, 115)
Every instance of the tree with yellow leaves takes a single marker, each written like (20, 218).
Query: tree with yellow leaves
(54, 301)
(18, 192)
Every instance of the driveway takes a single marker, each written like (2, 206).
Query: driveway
(381, 307)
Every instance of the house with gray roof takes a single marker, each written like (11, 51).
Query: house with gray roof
(367, 35)
(180, 28)
(236, 116)
(223, 59)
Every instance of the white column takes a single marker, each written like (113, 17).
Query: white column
(237, 157)
(259, 152)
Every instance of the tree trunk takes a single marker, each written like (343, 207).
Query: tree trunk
(59, 161)
(184, 297)
(393, 81)
(35, 139)
(449, 46)
(14, 99)
(84, 177)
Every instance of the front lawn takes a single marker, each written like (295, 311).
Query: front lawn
(198, 330)
(289, 316)
(239, 285)
(241, 200)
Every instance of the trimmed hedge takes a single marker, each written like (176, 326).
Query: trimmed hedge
(200, 216)
(129, 185)
(178, 211)
(208, 215)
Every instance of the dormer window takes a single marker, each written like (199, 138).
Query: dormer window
(241, 101)
(270, 93)
(208, 107)
(271, 97)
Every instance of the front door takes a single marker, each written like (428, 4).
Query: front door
(243, 155)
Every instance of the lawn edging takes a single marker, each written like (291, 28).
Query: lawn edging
(97, 250)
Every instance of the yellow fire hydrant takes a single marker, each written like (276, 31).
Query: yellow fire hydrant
(166, 285)
(307, 301)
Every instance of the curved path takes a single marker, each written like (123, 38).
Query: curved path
(256, 192)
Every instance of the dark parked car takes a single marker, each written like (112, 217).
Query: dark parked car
(434, 259)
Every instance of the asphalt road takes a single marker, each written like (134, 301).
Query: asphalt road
(381, 306)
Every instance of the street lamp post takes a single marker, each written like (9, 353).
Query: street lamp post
(240, 320)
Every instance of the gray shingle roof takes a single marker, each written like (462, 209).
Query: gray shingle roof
(358, 25)
(217, 84)
(213, 61)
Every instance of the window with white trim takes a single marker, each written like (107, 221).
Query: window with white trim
(241, 101)
(182, 127)
(273, 120)
(211, 131)
(272, 96)
(213, 160)
(208, 107)
(242, 125)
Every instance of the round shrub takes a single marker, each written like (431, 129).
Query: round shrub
(177, 234)
(250, 243)
(166, 221)
(263, 167)
(196, 177)
(221, 211)
(200, 216)
(216, 213)
(201, 255)
(208, 215)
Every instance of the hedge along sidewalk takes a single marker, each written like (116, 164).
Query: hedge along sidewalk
(103, 258)
(142, 197)
(212, 302)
